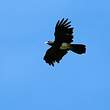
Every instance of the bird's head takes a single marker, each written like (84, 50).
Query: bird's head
(49, 43)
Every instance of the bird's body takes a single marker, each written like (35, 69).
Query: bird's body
(62, 43)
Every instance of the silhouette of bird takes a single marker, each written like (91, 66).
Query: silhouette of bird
(62, 43)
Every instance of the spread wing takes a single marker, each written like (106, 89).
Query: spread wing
(63, 32)
(54, 55)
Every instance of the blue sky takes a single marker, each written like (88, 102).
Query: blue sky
(78, 82)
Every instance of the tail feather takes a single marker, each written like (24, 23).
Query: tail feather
(78, 48)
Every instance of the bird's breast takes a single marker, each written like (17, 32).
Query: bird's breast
(65, 46)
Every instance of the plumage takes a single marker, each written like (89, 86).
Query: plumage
(63, 32)
(62, 43)
(54, 55)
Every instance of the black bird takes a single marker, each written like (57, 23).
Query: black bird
(62, 43)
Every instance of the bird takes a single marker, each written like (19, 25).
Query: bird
(62, 43)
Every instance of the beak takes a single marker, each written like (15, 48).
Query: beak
(45, 42)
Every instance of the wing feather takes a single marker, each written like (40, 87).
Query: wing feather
(54, 55)
(63, 32)
(65, 22)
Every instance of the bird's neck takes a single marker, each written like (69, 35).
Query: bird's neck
(51, 43)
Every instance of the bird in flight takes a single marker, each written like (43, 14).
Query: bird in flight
(62, 43)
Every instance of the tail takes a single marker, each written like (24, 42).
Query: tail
(78, 48)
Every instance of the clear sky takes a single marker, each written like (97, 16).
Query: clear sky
(78, 82)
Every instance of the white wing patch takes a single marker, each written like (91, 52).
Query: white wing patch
(65, 46)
